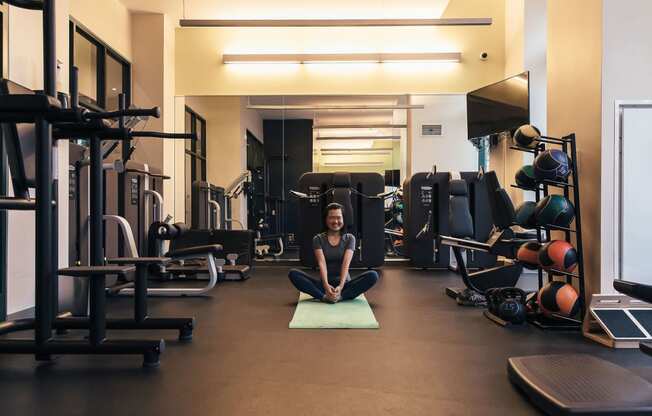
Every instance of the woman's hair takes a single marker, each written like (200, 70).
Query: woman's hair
(331, 207)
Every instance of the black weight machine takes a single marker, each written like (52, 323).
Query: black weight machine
(502, 242)
(31, 122)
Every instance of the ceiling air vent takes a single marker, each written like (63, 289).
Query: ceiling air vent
(428, 130)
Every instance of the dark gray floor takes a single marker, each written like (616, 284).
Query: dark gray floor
(430, 357)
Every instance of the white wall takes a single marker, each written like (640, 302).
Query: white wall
(25, 66)
(449, 152)
(626, 65)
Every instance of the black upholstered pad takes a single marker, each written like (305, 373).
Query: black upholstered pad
(88, 271)
(139, 260)
(460, 222)
(580, 384)
(214, 249)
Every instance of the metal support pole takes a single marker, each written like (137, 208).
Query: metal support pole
(44, 237)
(97, 330)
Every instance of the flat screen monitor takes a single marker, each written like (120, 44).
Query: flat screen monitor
(498, 107)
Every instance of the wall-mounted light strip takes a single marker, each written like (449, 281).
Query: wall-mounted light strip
(360, 138)
(323, 58)
(336, 107)
(358, 126)
(481, 21)
(354, 164)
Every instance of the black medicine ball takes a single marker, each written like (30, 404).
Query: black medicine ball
(526, 136)
(552, 165)
(525, 177)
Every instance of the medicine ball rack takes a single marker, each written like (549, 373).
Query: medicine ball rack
(570, 190)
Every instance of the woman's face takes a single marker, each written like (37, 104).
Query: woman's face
(334, 220)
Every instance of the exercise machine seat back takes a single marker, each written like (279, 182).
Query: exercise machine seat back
(502, 208)
(426, 196)
(364, 217)
(483, 223)
(342, 196)
(460, 221)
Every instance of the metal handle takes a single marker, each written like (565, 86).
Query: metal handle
(218, 215)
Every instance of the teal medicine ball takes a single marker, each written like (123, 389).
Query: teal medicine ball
(554, 210)
(525, 214)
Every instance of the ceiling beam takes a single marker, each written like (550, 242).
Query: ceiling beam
(360, 138)
(482, 21)
(358, 126)
(337, 107)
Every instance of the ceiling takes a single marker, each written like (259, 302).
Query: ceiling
(290, 9)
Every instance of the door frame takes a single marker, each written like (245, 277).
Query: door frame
(615, 249)
(4, 60)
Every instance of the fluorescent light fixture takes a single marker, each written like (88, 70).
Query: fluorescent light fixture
(360, 138)
(305, 58)
(358, 126)
(354, 164)
(354, 153)
(481, 21)
(336, 107)
(348, 149)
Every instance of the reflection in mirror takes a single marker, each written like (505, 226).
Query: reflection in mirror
(276, 139)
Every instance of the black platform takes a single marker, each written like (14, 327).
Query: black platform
(580, 384)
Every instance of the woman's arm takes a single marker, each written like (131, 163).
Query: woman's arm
(323, 272)
(346, 261)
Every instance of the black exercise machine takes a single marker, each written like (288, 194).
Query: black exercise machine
(501, 243)
(581, 384)
(31, 122)
(361, 195)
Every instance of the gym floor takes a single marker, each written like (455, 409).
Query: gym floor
(429, 357)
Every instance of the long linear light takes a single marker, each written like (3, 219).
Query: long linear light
(358, 126)
(352, 153)
(336, 107)
(360, 138)
(479, 21)
(322, 58)
(348, 149)
(354, 163)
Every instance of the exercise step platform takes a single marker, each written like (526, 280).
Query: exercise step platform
(580, 384)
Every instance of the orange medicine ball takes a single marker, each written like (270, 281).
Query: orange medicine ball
(559, 255)
(558, 297)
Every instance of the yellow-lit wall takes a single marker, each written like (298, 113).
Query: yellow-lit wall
(225, 143)
(107, 19)
(200, 70)
(574, 105)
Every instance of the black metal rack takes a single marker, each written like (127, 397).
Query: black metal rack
(572, 234)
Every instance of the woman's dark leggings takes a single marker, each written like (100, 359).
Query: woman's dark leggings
(351, 290)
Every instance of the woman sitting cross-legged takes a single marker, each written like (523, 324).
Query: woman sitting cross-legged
(333, 252)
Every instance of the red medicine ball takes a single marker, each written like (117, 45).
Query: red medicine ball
(528, 254)
(558, 297)
(559, 255)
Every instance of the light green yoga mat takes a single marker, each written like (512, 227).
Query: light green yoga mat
(311, 313)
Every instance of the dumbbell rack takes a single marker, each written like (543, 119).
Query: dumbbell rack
(572, 192)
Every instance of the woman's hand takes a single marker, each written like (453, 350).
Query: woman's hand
(331, 292)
